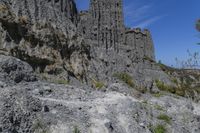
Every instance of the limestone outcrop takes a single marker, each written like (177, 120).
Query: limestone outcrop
(104, 24)
(116, 48)
(55, 39)
(64, 71)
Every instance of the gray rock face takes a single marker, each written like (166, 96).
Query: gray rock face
(116, 49)
(87, 49)
(43, 33)
(51, 43)
(104, 23)
(55, 11)
(141, 42)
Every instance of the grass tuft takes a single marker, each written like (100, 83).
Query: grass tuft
(97, 84)
(165, 118)
(76, 130)
(126, 78)
(159, 129)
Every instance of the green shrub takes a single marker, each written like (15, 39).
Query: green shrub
(159, 129)
(126, 78)
(164, 87)
(61, 81)
(165, 118)
(174, 80)
(76, 130)
(98, 84)
(180, 91)
(158, 107)
(158, 94)
(141, 89)
(148, 59)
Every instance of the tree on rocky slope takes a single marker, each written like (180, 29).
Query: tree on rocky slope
(198, 25)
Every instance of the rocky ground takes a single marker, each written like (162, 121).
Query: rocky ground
(30, 105)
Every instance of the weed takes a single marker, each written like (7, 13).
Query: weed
(180, 91)
(61, 81)
(158, 107)
(174, 80)
(76, 130)
(165, 118)
(159, 129)
(126, 78)
(98, 84)
(158, 95)
(164, 87)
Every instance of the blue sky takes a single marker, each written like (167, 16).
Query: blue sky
(172, 23)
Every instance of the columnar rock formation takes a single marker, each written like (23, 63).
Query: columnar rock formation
(104, 24)
(141, 42)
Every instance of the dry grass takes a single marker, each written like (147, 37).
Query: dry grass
(3, 8)
(23, 19)
(126, 78)
(97, 84)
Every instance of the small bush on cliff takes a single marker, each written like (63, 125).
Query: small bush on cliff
(61, 81)
(165, 118)
(158, 107)
(164, 87)
(97, 84)
(182, 89)
(76, 130)
(159, 129)
(126, 78)
(198, 25)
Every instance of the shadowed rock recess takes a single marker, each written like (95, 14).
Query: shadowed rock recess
(65, 71)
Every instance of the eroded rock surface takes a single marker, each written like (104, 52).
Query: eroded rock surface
(67, 77)
(37, 107)
(43, 33)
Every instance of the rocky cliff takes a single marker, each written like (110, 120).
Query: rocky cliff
(43, 33)
(64, 71)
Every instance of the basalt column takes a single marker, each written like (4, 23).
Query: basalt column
(107, 23)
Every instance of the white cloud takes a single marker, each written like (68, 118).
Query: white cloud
(150, 21)
(140, 13)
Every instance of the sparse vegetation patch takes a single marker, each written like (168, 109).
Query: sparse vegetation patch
(165, 118)
(159, 129)
(76, 130)
(126, 78)
(97, 84)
